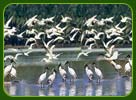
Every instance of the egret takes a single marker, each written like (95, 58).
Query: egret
(65, 19)
(116, 66)
(91, 21)
(6, 25)
(51, 77)
(73, 37)
(42, 77)
(125, 19)
(85, 53)
(31, 21)
(89, 72)
(30, 40)
(98, 72)
(50, 19)
(71, 71)
(9, 70)
(62, 72)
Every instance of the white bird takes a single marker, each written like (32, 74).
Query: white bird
(109, 51)
(27, 52)
(128, 65)
(90, 40)
(97, 36)
(85, 53)
(31, 21)
(90, 46)
(110, 19)
(31, 39)
(75, 30)
(114, 56)
(117, 38)
(46, 60)
(91, 21)
(46, 45)
(62, 72)
(65, 19)
(51, 77)
(50, 19)
(89, 72)
(61, 30)
(42, 78)
(72, 38)
(71, 72)
(12, 58)
(10, 32)
(6, 25)
(106, 45)
(31, 46)
(127, 68)
(129, 60)
(82, 37)
(21, 34)
(58, 38)
(41, 22)
(115, 65)
(98, 72)
(8, 69)
(31, 32)
(13, 73)
(91, 32)
(100, 22)
(125, 19)
(38, 36)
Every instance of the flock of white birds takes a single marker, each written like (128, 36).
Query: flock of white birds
(92, 36)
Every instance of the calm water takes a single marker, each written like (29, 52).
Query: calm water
(30, 68)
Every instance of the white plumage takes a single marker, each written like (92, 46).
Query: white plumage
(72, 72)
(89, 73)
(62, 73)
(51, 78)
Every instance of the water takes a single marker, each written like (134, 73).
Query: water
(30, 68)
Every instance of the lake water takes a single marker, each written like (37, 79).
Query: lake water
(30, 68)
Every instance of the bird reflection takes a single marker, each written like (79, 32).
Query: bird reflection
(72, 89)
(12, 88)
(51, 91)
(127, 86)
(89, 89)
(62, 89)
(41, 92)
(98, 91)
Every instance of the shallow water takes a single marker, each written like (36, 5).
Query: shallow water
(30, 68)
(114, 87)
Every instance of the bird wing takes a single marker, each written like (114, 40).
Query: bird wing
(7, 23)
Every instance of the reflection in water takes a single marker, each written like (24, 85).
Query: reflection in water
(120, 86)
(12, 88)
(62, 89)
(72, 89)
(41, 92)
(127, 86)
(89, 89)
(51, 91)
(112, 88)
(98, 90)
